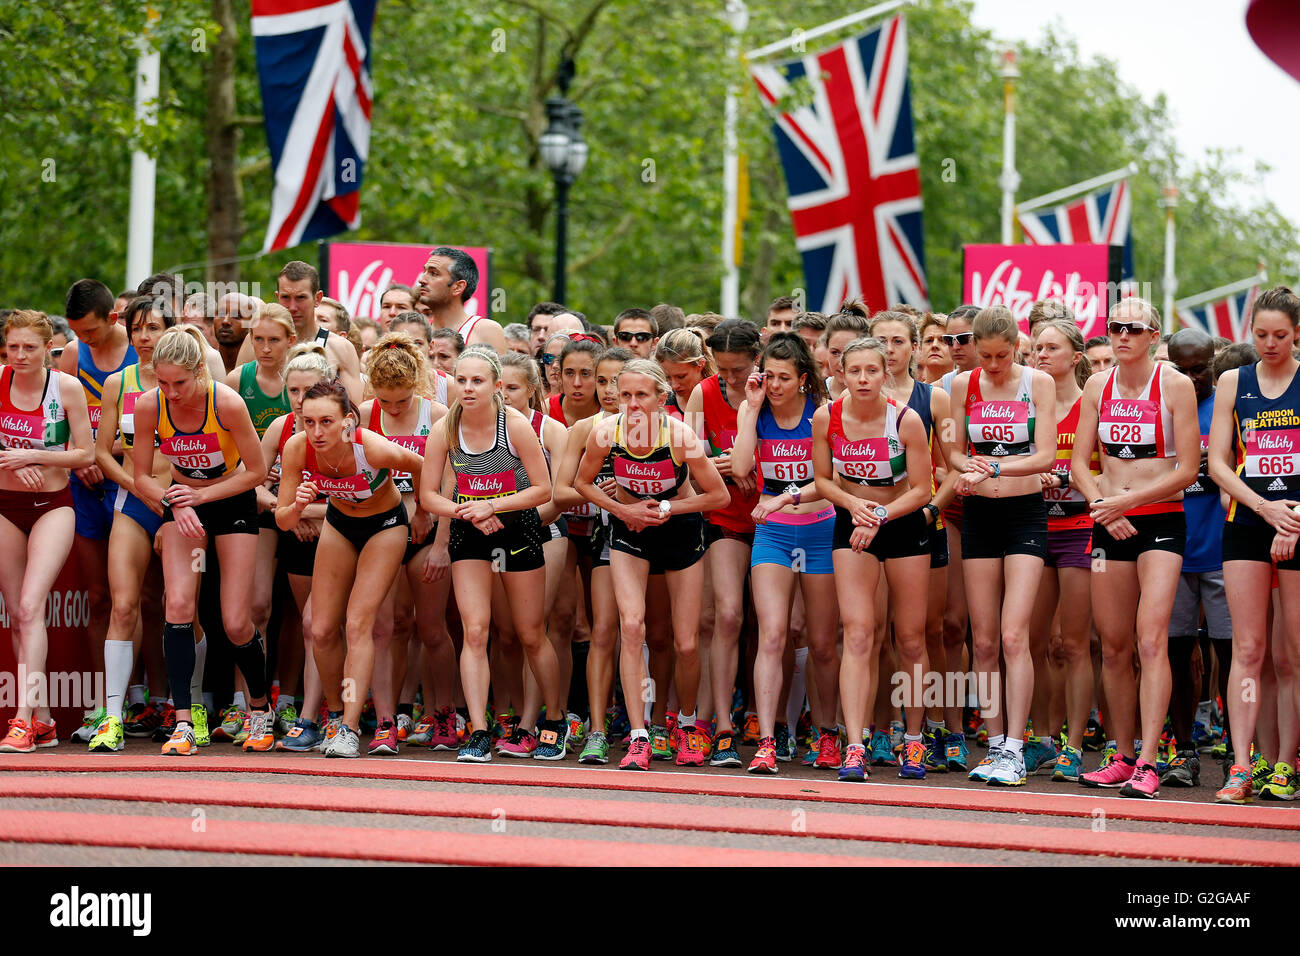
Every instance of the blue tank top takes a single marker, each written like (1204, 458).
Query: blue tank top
(1268, 442)
(919, 402)
(1204, 550)
(784, 455)
(92, 377)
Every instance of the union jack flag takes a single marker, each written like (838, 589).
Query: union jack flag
(1101, 217)
(313, 61)
(852, 170)
(1228, 317)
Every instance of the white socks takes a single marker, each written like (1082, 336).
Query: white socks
(117, 674)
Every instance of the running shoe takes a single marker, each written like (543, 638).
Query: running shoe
(369, 722)
(955, 753)
(1260, 771)
(982, 735)
(1237, 788)
(285, 718)
(637, 756)
(1183, 771)
(553, 740)
(1165, 755)
(148, 720)
(346, 743)
(261, 735)
(723, 752)
(1008, 770)
(1220, 751)
(445, 734)
(1109, 755)
(577, 732)
(1069, 764)
(896, 731)
(21, 738)
(232, 721)
(912, 764)
(1202, 737)
(828, 751)
(694, 749)
(980, 772)
(89, 724)
(478, 749)
(109, 738)
(596, 749)
(1039, 752)
(1281, 785)
(405, 724)
(503, 725)
(168, 727)
(303, 736)
(332, 725)
(661, 747)
(384, 743)
(621, 725)
(765, 760)
(973, 723)
(882, 754)
(786, 747)
(245, 730)
(803, 727)
(854, 769)
(181, 743)
(520, 743)
(422, 733)
(936, 760)
(750, 735)
(1145, 782)
(1112, 775)
(199, 721)
(46, 734)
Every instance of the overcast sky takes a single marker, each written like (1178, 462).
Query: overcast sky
(1221, 89)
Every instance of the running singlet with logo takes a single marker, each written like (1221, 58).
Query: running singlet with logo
(1001, 427)
(784, 455)
(1268, 442)
(208, 453)
(286, 432)
(1066, 507)
(404, 480)
(1141, 427)
(261, 408)
(128, 395)
(467, 327)
(489, 474)
(1204, 550)
(92, 377)
(720, 432)
(356, 487)
(868, 461)
(44, 427)
(654, 475)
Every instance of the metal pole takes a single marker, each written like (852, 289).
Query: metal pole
(803, 36)
(1010, 179)
(561, 232)
(139, 236)
(1087, 186)
(738, 17)
(1170, 202)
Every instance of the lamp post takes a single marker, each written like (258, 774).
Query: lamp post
(565, 154)
(1169, 202)
(1010, 179)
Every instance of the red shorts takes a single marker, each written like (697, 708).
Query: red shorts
(24, 508)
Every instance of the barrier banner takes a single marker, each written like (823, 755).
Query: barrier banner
(1085, 276)
(357, 273)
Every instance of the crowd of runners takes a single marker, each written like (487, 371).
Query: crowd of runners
(933, 543)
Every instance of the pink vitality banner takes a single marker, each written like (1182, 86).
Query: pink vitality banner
(1085, 276)
(357, 273)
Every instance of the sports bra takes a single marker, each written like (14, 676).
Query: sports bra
(404, 480)
(494, 473)
(207, 453)
(1141, 427)
(355, 487)
(127, 397)
(42, 427)
(1000, 427)
(654, 475)
(784, 454)
(878, 461)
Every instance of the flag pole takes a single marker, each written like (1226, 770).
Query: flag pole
(139, 236)
(1010, 179)
(800, 37)
(1105, 179)
(1221, 292)
(1169, 201)
(738, 17)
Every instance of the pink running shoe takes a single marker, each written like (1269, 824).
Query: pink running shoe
(445, 734)
(520, 743)
(637, 756)
(828, 752)
(46, 734)
(1114, 774)
(692, 747)
(1145, 782)
(384, 743)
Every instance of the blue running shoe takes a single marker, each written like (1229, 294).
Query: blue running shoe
(853, 769)
(477, 749)
(1040, 753)
(786, 749)
(955, 753)
(1068, 765)
(936, 760)
(913, 762)
(882, 751)
(302, 737)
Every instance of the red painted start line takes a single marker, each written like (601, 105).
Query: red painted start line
(1074, 840)
(981, 799)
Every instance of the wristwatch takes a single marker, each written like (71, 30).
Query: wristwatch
(666, 507)
(933, 509)
(1064, 478)
(794, 491)
(997, 468)
(881, 512)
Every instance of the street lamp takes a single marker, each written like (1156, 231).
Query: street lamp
(565, 154)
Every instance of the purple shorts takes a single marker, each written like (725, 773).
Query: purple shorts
(1069, 549)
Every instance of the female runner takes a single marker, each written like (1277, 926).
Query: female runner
(45, 432)
(131, 559)
(1143, 416)
(1255, 458)
(936, 358)
(207, 435)
(729, 531)
(774, 432)
(550, 359)
(1008, 441)
(361, 543)
(872, 444)
(654, 455)
(494, 527)
(842, 328)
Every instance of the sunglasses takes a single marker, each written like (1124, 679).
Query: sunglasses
(549, 359)
(629, 337)
(1132, 328)
(961, 338)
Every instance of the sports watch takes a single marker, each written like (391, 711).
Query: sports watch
(794, 491)
(881, 512)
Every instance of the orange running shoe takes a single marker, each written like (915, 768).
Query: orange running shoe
(261, 733)
(1236, 789)
(21, 738)
(750, 734)
(181, 743)
(46, 735)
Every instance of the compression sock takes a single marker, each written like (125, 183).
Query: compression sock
(250, 658)
(117, 673)
(178, 648)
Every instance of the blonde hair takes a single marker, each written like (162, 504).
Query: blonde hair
(185, 347)
(395, 361)
(686, 345)
(32, 319)
(996, 322)
(517, 360)
(652, 370)
(868, 344)
(275, 312)
(1150, 315)
(310, 357)
(451, 422)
